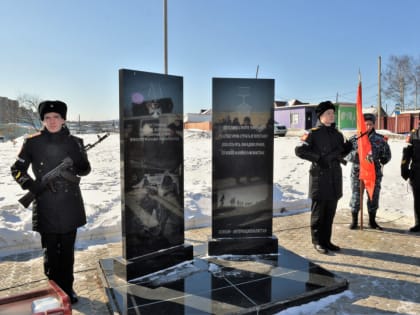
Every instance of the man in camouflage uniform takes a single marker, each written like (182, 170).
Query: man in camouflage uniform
(381, 154)
(410, 169)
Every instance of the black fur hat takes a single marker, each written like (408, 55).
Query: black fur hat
(370, 117)
(52, 107)
(323, 107)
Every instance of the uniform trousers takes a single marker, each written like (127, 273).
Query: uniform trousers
(415, 185)
(59, 258)
(322, 217)
(372, 204)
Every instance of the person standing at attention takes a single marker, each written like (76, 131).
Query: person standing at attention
(58, 208)
(381, 155)
(325, 147)
(410, 169)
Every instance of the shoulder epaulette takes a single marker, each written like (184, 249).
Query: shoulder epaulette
(36, 134)
(314, 128)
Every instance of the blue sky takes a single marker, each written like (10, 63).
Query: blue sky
(72, 50)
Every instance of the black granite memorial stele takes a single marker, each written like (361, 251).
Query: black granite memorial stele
(242, 198)
(152, 190)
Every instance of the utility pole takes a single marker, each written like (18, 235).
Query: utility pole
(256, 75)
(379, 93)
(165, 35)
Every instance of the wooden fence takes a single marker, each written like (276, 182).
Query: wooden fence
(402, 123)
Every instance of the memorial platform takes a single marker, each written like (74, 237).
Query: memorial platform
(256, 284)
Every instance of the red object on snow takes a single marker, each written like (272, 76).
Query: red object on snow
(21, 304)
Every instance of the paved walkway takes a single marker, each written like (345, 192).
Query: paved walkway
(382, 267)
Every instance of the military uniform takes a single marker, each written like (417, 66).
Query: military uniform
(381, 155)
(410, 169)
(58, 209)
(325, 147)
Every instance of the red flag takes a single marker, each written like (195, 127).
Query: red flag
(367, 172)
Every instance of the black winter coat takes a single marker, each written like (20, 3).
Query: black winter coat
(59, 207)
(410, 164)
(325, 147)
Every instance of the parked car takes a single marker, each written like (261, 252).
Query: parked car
(279, 130)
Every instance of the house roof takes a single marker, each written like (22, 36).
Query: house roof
(374, 110)
(295, 102)
(206, 111)
(280, 103)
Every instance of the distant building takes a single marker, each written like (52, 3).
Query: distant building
(8, 110)
(295, 114)
(200, 120)
(83, 127)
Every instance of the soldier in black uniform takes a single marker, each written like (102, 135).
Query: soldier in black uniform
(325, 147)
(410, 169)
(58, 209)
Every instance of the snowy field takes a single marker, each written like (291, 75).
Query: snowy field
(101, 190)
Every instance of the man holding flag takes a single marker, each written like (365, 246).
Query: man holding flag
(370, 152)
(325, 147)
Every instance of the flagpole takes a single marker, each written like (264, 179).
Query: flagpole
(165, 35)
(362, 190)
(361, 182)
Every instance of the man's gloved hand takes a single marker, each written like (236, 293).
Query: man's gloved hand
(79, 157)
(405, 171)
(405, 174)
(35, 187)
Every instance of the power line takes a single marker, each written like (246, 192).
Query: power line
(341, 96)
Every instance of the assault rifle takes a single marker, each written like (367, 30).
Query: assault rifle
(60, 170)
(100, 139)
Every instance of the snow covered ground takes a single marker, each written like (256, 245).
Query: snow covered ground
(101, 189)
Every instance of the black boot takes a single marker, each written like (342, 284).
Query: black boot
(415, 228)
(372, 222)
(353, 224)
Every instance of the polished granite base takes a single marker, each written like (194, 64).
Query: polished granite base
(256, 284)
(243, 245)
(146, 264)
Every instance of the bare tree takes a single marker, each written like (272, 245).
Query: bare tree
(398, 78)
(28, 110)
(416, 78)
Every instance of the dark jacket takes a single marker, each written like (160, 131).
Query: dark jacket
(381, 153)
(58, 208)
(410, 163)
(325, 147)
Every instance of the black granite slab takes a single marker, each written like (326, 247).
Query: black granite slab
(251, 284)
(152, 262)
(243, 245)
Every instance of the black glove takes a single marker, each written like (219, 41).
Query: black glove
(35, 187)
(405, 172)
(79, 157)
(347, 147)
